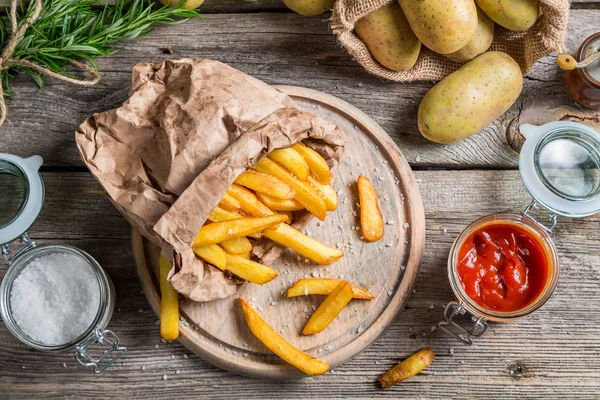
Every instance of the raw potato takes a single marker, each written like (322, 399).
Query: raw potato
(407, 368)
(442, 26)
(305, 194)
(306, 286)
(305, 245)
(316, 163)
(516, 15)
(371, 220)
(212, 254)
(309, 8)
(216, 232)
(169, 302)
(278, 204)
(263, 183)
(278, 345)
(466, 101)
(389, 38)
(329, 309)
(250, 270)
(480, 42)
(189, 4)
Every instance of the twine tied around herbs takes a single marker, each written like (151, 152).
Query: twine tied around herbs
(7, 62)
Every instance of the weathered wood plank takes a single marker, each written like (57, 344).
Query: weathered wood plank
(554, 353)
(285, 48)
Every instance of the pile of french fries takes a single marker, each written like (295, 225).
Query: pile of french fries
(260, 203)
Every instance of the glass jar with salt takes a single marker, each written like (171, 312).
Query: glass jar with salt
(53, 297)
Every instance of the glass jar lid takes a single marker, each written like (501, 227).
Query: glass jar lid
(22, 197)
(560, 166)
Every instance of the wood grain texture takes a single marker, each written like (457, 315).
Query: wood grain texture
(285, 48)
(217, 330)
(553, 354)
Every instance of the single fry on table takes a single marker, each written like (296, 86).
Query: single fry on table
(329, 309)
(217, 232)
(407, 368)
(250, 270)
(316, 163)
(310, 248)
(265, 183)
(292, 160)
(278, 345)
(305, 194)
(306, 286)
(169, 302)
(212, 254)
(371, 220)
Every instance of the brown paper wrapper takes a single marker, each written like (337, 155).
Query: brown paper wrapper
(169, 153)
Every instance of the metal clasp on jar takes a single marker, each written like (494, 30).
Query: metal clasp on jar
(478, 329)
(102, 338)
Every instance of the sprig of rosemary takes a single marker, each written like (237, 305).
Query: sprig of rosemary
(82, 30)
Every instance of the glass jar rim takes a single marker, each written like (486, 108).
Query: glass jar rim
(550, 252)
(20, 264)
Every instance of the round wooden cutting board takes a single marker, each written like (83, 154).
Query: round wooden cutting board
(217, 332)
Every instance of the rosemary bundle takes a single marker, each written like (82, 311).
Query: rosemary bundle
(47, 36)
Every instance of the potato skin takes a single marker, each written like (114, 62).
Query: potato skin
(466, 101)
(516, 15)
(442, 26)
(309, 8)
(389, 38)
(480, 42)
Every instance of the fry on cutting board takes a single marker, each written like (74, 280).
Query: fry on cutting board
(216, 232)
(238, 246)
(306, 286)
(276, 204)
(212, 254)
(292, 160)
(169, 302)
(250, 270)
(371, 220)
(305, 194)
(265, 183)
(278, 345)
(329, 309)
(316, 163)
(249, 202)
(326, 192)
(230, 203)
(305, 245)
(407, 368)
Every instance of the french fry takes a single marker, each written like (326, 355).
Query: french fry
(169, 302)
(305, 245)
(249, 202)
(292, 160)
(265, 183)
(219, 214)
(212, 254)
(305, 194)
(326, 192)
(329, 309)
(306, 286)
(246, 255)
(316, 163)
(230, 203)
(290, 216)
(278, 345)
(371, 221)
(407, 368)
(276, 204)
(237, 246)
(216, 232)
(250, 270)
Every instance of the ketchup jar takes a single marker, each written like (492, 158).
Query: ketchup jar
(505, 266)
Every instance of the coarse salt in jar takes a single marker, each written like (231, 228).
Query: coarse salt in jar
(53, 297)
(505, 266)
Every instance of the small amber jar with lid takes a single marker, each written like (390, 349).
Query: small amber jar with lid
(583, 84)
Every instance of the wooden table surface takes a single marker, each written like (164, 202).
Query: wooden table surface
(555, 353)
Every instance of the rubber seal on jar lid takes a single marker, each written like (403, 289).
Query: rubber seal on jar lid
(560, 167)
(27, 171)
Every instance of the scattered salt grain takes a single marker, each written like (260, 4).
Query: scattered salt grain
(406, 225)
(245, 355)
(177, 372)
(143, 367)
(229, 232)
(390, 222)
(55, 298)
(185, 356)
(64, 365)
(451, 351)
(306, 291)
(164, 377)
(390, 292)
(418, 158)
(431, 306)
(445, 230)
(156, 346)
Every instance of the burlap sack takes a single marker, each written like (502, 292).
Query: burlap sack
(527, 47)
(169, 153)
